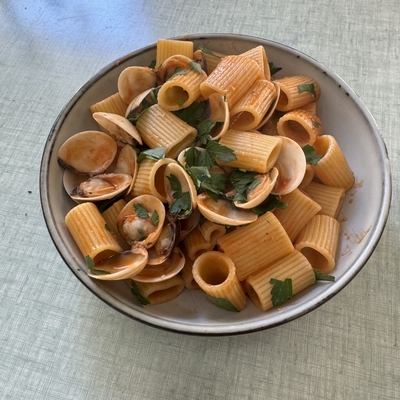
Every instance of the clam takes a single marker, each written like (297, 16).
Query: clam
(217, 110)
(178, 185)
(88, 152)
(186, 225)
(291, 164)
(119, 127)
(126, 264)
(141, 221)
(223, 212)
(96, 188)
(271, 109)
(135, 80)
(127, 163)
(141, 102)
(260, 193)
(161, 272)
(171, 66)
(166, 242)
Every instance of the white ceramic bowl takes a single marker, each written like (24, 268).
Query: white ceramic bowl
(364, 212)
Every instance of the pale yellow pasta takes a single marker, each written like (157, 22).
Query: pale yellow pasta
(294, 266)
(232, 77)
(332, 169)
(215, 274)
(299, 211)
(162, 128)
(112, 104)
(308, 176)
(297, 91)
(310, 107)
(161, 292)
(256, 245)
(330, 198)
(110, 216)
(150, 178)
(181, 90)
(169, 47)
(250, 109)
(212, 231)
(196, 244)
(259, 55)
(212, 59)
(301, 126)
(254, 151)
(318, 242)
(88, 229)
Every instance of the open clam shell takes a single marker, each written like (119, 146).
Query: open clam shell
(217, 110)
(260, 193)
(161, 272)
(141, 221)
(88, 152)
(291, 165)
(223, 212)
(141, 102)
(100, 187)
(118, 127)
(121, 265)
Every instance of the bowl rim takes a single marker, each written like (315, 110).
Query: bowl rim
(180, 328)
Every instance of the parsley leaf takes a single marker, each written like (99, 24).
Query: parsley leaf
(141, 211)
(273, 69)
(193, 113)
(183, 202)
(136, 292)
(90, 264)
(206, 51)
(203, 131)
(155, 219)
(243, 182)
(269, 204)
(108, 229)
(158, 153)
(223, 153)
(315, 123)
(194, 66)
(177, 71)
(307, 87)
(281, 291)
(222, 303)
(319, 276)
(311, 157)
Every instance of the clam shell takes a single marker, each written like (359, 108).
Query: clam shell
(291, 165)
(88, 152)
(223, 212)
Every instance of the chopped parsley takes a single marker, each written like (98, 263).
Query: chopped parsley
(319, 276)
(243, 182)
(206, 51)
(281, 291)
(273, 70)
(158, 153)
(222, 303)
(307, 87)
(183, 202)
(269, 204)
(138, 294)
(311, 157)
(141, 211)
(90, 264)
(194, 66)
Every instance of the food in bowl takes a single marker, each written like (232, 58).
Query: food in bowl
(190, 312)
(197, 183)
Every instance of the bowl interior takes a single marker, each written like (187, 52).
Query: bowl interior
(363, 215)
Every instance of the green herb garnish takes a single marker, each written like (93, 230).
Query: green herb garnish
(183, 202)
(311, 157)
(158, 153)
(90, 264)
(243, 182)
(273, 70)
(281, 291)
(206, 51)
(320, 276)
(155, 219)
(136, 292)
(269, 204)
(222, 303)
(194, 66)
(307, 87)
(141, 211)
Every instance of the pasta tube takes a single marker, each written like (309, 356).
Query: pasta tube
(253, 150)
(110, 216)
(88, 228)
(256, 245)
(112, 104)
(318, 242)
(299, 211)
(232, 77)
(259, 55)
(297, 91)
(294, 266)
(162, 128)
(250, 109)
(332, 169)
(215, 273)
(166, 48)
(301, 126)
